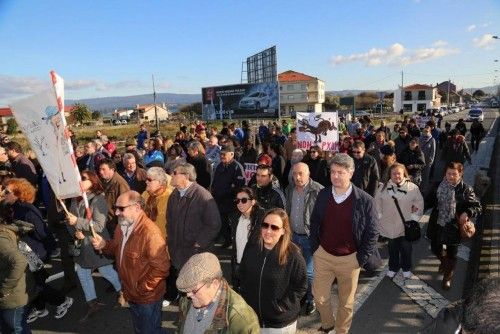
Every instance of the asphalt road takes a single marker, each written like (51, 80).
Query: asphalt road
(382, 306)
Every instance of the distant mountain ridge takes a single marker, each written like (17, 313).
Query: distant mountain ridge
(351, 92)
(109, 104)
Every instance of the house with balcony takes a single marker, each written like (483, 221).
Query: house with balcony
(416, 98)
(300, 92)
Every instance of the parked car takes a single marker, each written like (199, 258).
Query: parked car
(494, 104)
(256, 100)
(475, 114)
(455, 109)
(361, 113)
(117, 122)
(124, 121)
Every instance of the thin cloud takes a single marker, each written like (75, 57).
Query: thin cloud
(486, 24)
(471, 28)
(484, 42)
(18, 86)
(396, 54)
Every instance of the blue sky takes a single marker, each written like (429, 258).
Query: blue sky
(111, 48)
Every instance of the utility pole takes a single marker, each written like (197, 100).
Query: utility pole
(402, 81)
(448, 97)
(154, 101)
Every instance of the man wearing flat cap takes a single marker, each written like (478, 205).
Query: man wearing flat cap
(228, 176)
(210, 305)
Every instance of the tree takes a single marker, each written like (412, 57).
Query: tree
(96, 115)
(11, 126)
(80, 113)
(366, 100)
(191, 108)
(332, 102)
(478, 93)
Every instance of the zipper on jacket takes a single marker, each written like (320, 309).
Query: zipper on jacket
(260, 286)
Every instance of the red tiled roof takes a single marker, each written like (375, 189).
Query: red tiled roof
(5, 112)
(290, 76)
(418, 86)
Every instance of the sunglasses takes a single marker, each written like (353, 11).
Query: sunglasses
(266, 226)
(122, 208)
(84, 178)
(243, 200)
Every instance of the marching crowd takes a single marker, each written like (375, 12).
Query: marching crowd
(303, 221)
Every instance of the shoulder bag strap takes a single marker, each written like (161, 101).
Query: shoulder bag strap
(399, 209)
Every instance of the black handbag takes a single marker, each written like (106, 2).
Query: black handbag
(450, 234)
(412, 228)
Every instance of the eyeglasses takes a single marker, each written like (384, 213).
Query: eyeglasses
(194, 292)
(266, 226)
(176, 172)
(243, 200)
(122, 208)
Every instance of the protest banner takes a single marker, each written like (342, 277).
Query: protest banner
(422, 120)
(41, 119)
(250, 170)
(318, 129)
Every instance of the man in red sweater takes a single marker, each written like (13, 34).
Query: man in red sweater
(343, 238)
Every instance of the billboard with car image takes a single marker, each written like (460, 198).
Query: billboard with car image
(256, 100)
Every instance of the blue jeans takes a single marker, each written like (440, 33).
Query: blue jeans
(305, 246)
(14, 321)
(87, 282)
(399, 254)
(146, 317)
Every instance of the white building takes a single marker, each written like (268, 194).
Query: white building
(416, 98)
(147, 112)
(300, 93)
(122, 114)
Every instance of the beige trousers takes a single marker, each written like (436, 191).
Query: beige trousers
(346, 269)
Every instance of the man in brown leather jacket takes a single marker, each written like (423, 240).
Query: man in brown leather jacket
(142, 261)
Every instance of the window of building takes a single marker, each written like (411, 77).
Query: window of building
(421, 107)
(281, 88)
(289, 87)
(303, 86)
(421, 94)
(407, 96)
(303, 96)
(291, 109)
(310, 108)
(290, 96)
(407, 107)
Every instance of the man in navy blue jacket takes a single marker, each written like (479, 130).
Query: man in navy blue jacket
(343, 239)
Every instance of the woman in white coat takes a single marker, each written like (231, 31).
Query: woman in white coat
(390, 224)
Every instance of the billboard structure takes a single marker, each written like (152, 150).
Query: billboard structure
(261, 67)
(240, 101)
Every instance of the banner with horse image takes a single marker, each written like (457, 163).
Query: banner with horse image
(41, 119)
(318, 129)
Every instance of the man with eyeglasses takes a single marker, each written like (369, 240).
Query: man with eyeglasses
(366, 175)
(193, 217)
(268, 195)
(402, 141)
(142, 261)
(210, 305)
(300, 199)
(343, 239)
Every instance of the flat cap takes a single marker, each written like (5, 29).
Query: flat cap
(198, 268)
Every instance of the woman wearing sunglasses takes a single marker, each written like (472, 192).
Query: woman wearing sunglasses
(87, 259)
(245, 227)
(273, 275)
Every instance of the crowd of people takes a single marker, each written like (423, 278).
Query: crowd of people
(160, 205)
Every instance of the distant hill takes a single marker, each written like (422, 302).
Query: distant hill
(490, 90)
(108, 104)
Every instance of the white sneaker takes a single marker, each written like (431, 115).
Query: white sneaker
(62, 309)
(407, 274)
(391, 274)
(35, 314)
(165, 303)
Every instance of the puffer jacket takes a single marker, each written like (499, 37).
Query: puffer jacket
(408, 195)
(145, 264)
(312, 191)
(17, 286)
(232, 315)
(270, 196)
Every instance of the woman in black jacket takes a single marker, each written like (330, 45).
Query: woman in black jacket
(273, 274)
(245, 227)
(456, 205)
(413, 159)
(318, 166)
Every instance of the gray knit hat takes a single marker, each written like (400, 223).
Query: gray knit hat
(198, 268)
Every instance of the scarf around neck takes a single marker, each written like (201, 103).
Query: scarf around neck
(446, 202)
